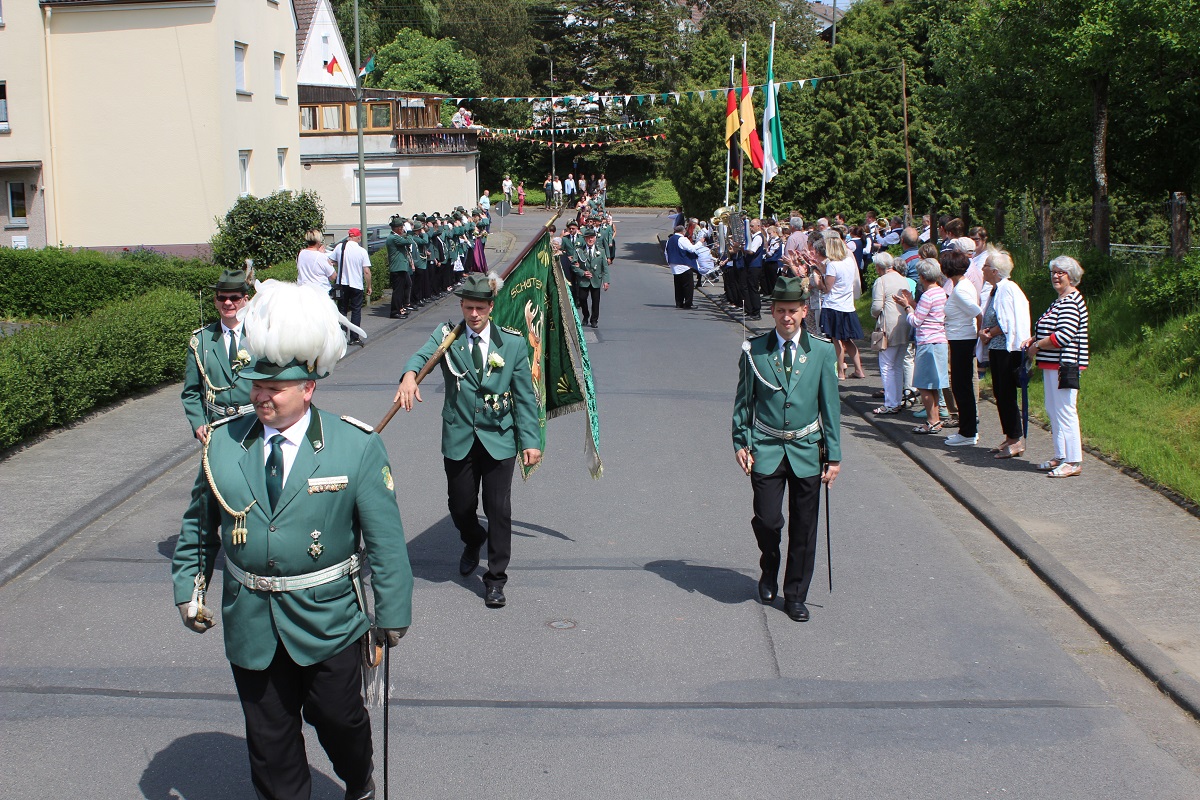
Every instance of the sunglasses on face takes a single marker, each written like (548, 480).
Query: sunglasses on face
(230, 298)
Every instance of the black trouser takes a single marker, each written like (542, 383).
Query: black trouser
(1004, 366)
(420, 285)
(748, 280)
(804, 500)
(352, 303)
(586, 294)
(685, 285)
(401, 290)
(463, 481)
(770, 274)
(729, 280)
(962, 385)
(328, 694)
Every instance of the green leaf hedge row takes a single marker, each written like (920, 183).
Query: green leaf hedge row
(51, 375)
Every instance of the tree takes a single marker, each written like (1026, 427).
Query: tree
(414, 62)
(269, 229)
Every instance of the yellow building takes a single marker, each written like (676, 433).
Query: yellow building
(139, 122)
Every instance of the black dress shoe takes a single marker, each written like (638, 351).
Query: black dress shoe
(494, 597)
(365, 793)
(469, 559)
(796, 610)
(767, 592)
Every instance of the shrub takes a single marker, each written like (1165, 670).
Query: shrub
(1170, 287)
(268, 229)
(53, 375)
(56, 283)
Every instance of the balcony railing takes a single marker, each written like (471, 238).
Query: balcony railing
(436, 141)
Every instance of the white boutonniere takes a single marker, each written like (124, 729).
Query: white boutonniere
(494, 361)
(243, 358)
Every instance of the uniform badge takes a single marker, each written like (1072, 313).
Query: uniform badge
(316, 548)
(387, 479)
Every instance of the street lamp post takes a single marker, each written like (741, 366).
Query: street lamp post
(553, 124)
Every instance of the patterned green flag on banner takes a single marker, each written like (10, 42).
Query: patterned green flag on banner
(535, 300)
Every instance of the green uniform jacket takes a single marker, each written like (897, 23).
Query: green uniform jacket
(500, 410)
(596, 263)
(208, 344)
(571, 246)
(421, 239)
(608, 237)
(399, 252)
(312, 624)
(768, 395)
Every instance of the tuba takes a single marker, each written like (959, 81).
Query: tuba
(731, 226)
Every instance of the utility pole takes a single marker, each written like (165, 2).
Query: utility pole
(553, 124)
(359, 118)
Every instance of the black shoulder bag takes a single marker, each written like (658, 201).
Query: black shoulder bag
(1068, 371)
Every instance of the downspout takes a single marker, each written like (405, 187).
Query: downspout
(57, 238)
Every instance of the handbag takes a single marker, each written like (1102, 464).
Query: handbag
(879, 340)
(1068, 375)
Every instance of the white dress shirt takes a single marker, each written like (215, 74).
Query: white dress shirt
(291, 446)
(484, 340)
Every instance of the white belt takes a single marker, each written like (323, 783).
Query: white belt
(230, 411)
(788, 436)
(290, 583)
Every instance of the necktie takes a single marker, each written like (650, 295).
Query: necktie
(477, 356)
(233, 348)
(275, 470)
(787, 358)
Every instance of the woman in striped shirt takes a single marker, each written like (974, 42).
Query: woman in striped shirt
(927, 318)
(1061, 337)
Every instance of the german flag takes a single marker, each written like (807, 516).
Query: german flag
(732, 126)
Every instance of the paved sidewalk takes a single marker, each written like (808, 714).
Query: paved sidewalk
(58, 485)
(1125, 557)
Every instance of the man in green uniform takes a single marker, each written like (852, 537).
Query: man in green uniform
(787, 406)
(399, 255)
(591, 275)
(211, 390)
(289, 493)
(490, 408)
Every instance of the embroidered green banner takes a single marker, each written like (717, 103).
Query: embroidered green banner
(535, 300)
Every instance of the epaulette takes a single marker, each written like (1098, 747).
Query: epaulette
(513, 331)
(201, 328)
(358, 423)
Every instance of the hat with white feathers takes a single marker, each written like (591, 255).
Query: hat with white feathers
(293, 331)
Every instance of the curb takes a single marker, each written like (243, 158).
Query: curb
(52, 538)
(1116, 630)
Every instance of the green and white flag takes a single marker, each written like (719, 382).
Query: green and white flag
(774, 153)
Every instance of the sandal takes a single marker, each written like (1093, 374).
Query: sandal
(1046, 466)
(1065, 470)
(877, 394)
(951, 422)
(934, 428)
(1012, 451)
(887, 410)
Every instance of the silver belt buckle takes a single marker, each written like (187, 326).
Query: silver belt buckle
(789, 435)
(262, 583)
(230, 411)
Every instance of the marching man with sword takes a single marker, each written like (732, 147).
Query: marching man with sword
(289, 493)
(786, 419)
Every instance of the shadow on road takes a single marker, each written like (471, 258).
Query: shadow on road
(210, 766)
(718, 583)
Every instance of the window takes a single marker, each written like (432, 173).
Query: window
(3, 106)
(377, 115)
(331, 118)
(383, 186)
(244, 171)
(279, 75)
(239, 68)
(308, 118)
(16, 202)
(282, 156)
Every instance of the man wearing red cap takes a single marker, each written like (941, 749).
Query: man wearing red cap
(353, 274)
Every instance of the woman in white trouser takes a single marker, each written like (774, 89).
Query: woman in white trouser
(885, 309)
(1060, 340)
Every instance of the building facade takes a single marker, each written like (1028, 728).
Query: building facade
(140, 123)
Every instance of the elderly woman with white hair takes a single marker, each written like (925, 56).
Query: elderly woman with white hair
(1004, 331)
(1059, 346)
(894, 326)
(927, 318)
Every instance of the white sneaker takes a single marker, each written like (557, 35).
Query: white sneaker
(958, 440)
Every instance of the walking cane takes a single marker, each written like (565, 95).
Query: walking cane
(828, 551)
(387, 687)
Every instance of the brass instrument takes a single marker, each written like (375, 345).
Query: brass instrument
(730, 223)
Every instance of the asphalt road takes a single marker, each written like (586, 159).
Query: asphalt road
(632, 660)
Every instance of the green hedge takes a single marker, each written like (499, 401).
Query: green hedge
(52, 375)
(58, 284)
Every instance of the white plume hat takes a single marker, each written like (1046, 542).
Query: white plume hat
(293, 331)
